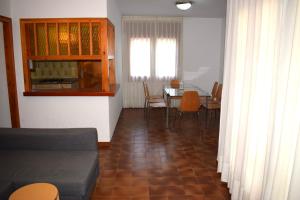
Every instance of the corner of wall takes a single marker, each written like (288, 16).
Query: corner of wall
(115, 108)
(116, 102)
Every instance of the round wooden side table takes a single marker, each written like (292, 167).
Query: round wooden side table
(36, 191)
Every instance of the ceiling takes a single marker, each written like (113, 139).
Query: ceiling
(200, 8)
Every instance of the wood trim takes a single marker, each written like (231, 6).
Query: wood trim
(104, 145)
(35, 41)
(91, 38)
(47, 39)
(10, 71)
(99, 38)
(25, 50)
(57, 40)
(61, 20)
(111, 52)
(79, 38)
(66, 57)
(84, 92)
(69, 47)
(112, 72)
(104, 55)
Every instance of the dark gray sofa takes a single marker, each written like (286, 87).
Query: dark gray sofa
(67, 158)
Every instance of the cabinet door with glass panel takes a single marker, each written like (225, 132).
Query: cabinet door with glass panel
(65, 54)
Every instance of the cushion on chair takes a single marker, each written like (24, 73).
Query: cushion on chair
(212, 105)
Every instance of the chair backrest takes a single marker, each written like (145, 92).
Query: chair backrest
(219, 93)
(190, 102)
(146, 91)
(214, 90)
(175, 83)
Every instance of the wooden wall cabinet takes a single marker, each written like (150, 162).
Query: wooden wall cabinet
(90, 42)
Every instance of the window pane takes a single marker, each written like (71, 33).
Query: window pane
(74, 39)
(52, 36)
(140, 57)
(165, 58)
(85, 38)
(63, 38)
(41, 39)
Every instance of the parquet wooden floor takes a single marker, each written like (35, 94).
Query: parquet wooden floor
(146, 161)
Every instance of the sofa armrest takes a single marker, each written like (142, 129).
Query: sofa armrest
(84, 139)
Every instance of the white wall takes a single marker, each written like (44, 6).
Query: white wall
(116, 102)
(55, 112)
(203, 51)
(58, 8)
(67, 112)
(115, 108)
(5, 8)
(5, 120)
(114, 15)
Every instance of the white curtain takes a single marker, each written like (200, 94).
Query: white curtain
(259, 141)
(161, 31)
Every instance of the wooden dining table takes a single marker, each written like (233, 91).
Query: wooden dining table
(170, 93)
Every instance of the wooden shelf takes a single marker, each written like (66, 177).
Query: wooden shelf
(60, 58)
(74, 92)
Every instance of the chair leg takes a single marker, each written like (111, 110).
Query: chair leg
(145, 108)
(195, 115)
(148, 111)
(174, 111)
(175, 118)
(180, 117)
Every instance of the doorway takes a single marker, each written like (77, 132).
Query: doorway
(9, 110)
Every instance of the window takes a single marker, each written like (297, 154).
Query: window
(165, 58)
(152, 48)
(140, 57)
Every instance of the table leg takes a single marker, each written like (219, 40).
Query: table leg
(168, 112)
(206, 111)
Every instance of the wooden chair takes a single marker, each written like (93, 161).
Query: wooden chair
(153, 105)
(175, 83)
(151, 100)
(219, 93)
(214, 90)
(214, 103)
(213, 93)
(190, 103)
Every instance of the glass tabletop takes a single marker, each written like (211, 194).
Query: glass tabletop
(178, 92)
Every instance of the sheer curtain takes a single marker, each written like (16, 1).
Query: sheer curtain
(259, 141)
(152, 53)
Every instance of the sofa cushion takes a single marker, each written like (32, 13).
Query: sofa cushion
(70, 171)
(5, 189)
(76, 139)
(10, 162)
